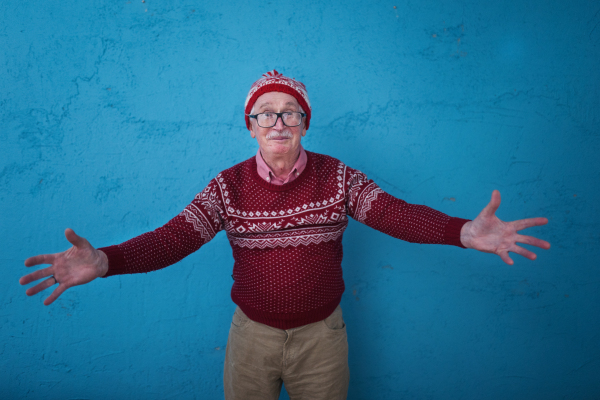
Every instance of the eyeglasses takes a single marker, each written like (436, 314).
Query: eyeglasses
(269, 119)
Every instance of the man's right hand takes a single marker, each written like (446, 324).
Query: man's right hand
(81, 264)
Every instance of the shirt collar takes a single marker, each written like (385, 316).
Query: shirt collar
(267, 174)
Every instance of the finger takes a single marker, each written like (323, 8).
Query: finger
(528, 223)
(533, 241)
(41, 259)
(34, 276)
(506, 258)
(75, 239)
(493, 205)
(57, 292)
(40, 286)
(523, 252)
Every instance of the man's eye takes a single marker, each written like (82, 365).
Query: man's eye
(268, 115)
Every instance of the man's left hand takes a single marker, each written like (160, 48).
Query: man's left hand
(489, 234)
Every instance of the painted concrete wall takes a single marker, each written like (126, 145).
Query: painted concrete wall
(115, 113)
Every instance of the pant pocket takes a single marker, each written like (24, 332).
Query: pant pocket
(335, 321)
(239, 318)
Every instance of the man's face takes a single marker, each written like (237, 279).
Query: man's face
(279, 140)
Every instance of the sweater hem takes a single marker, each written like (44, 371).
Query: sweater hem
(289, 320)
(452, 236)
(116, 260)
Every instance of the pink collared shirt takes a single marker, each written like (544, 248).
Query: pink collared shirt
(265, 172)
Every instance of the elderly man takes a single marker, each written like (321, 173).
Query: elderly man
(284, 211)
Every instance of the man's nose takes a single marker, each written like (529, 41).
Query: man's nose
(279, 123)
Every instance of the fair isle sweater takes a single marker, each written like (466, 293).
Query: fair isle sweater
(286, 239)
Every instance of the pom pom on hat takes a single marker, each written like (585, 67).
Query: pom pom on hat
(273, 81)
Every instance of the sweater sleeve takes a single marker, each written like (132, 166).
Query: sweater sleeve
(196, 225)
(368, 203)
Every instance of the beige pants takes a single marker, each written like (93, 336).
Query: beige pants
(311, 360)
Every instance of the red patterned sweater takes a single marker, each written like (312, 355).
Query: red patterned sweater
(286, 239)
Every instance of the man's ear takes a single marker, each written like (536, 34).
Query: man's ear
(252, 134)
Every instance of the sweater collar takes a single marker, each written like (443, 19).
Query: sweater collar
(265, 172)
(253, 167)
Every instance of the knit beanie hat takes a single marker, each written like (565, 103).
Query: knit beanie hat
(273, 81)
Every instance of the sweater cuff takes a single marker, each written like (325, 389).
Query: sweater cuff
(116, 260)
(453, 228)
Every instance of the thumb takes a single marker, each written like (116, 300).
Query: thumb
(75, 239)
(493, 205)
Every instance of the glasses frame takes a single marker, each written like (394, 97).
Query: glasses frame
(279, 115)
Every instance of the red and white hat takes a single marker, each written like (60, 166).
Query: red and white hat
(273, 81)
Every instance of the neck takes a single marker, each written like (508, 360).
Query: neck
(281, 165)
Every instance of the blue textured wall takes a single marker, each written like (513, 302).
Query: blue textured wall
(115, 113)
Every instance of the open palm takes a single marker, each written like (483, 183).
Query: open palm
(489, 234)
(78, 265)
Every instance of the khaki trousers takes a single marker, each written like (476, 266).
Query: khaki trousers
(311, 360)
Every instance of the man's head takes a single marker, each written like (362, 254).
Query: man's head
(283, 138)
(273, 81)
(271, 95)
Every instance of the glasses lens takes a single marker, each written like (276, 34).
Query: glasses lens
(266, 120)
(292, 118)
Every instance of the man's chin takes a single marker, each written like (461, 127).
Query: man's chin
(279, 147)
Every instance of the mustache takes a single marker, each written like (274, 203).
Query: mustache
(285, 134)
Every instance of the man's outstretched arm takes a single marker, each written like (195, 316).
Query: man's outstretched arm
(196, 225)
(489, 234)
(80, 264)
